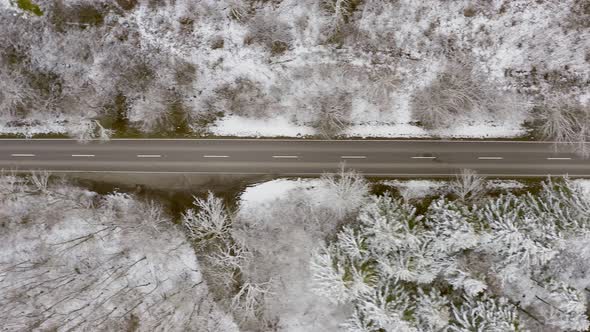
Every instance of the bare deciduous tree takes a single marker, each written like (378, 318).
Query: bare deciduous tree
(268, 30)
(250, 298)
(209, 222)
(332, 113)
(566, 123)
(468, 185)
(454, 92)
(243, 97)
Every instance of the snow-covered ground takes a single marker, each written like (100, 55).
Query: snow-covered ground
(585, 185)
(265, 193)
(418, 189)
(280, 127)
(411, 189)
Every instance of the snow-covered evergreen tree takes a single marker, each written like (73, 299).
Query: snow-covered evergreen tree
(453, 230)
(485, 314)
(463, 268)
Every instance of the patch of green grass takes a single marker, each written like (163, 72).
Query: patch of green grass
(29, 6)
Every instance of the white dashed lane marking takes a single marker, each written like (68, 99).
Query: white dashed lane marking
(490, 158)
(559, 158)
(285, 157)
(148, 156)
(82, 155)
(353, 157)
(22, 155)
(423, 157)
(214, 156)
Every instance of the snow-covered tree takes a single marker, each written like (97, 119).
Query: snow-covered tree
(511, 247)
(348, 190)
(565, 122)
(386, 308)
(485, 314)
(71, 259)
(567, 307)
(432, 310)
(468, 185)
(210, 220)
(452, 226)
(329, 277)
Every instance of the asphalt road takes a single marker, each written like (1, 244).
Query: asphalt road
(386, 158)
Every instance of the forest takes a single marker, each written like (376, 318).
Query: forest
(318, 68)
(339, 253)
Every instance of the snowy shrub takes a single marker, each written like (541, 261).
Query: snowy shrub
(349, 189)
(565, 121)
(89, 130)
(455, 92)
(265, 29)
(332, 113)
(340, 10)
(468, 185)
(243, 97)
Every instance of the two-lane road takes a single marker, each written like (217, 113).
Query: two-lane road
(387, 158)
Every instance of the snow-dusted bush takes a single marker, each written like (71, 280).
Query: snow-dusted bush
(265, 29)
(456, 92)
(566, 121)
(243, 97)
(468, 185)
(71, 259)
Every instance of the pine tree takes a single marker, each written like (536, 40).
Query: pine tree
(485, 314)
(453, 231)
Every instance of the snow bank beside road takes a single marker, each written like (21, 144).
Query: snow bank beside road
(585, 185)
(281, 127)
